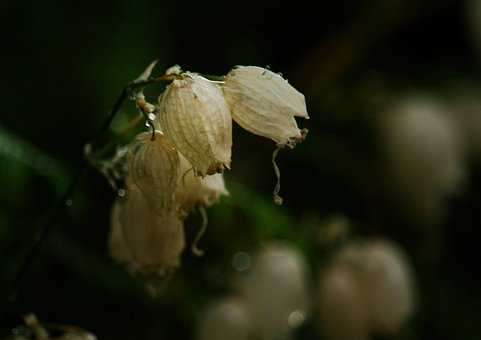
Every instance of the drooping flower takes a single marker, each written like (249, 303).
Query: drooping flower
(342, 311)
(275, 291)
(424, 153)
(265, 104)
(366, 289)
(195, 117)
(192, 190)
(154, 241)
(154, 169)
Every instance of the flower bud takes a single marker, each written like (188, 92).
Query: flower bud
(192, 190)
(264, 103)
(275, 291)
(227, 319)
(195, 117)
(154, 168)
(155, 241)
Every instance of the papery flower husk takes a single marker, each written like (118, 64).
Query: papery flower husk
(265, 104)
(195, 117)
(154, 169)
(274, 288)
(155, 241)
(193, 190)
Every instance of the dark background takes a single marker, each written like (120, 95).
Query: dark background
(64, 64)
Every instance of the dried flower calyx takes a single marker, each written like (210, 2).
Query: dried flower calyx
(154, 169)
(192, 190)
(264, 103)
(148, 242)
(195, 117)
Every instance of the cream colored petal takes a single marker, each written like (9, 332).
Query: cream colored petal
(154, 168)
(155, 241)
(257, 82)
(264, 103)
(193, 190)
(195, 117)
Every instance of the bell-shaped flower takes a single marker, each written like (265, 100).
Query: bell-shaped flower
(195, 117)
(265, 104)
(154, 169)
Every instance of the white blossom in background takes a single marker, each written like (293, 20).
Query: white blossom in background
(342, 311)
(225, 319)
(154, 169)
(424, 153)
(265, 104)
(275, 291)
(387, 279)
(195, 117)
(369, 288)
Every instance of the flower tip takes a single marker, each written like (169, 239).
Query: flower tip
(278, 200)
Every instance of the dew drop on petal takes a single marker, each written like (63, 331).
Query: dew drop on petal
(121, 192)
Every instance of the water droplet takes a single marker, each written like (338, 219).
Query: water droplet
(69, 202)
(151, 116)
(267, 74)
(121, 192)
(295, 319)
(241, 261)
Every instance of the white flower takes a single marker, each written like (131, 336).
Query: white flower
(424, 153)
(154, 168)
(275, 291)
(192, 190)
(195, 117)
(155, 242)
(371, 284)
(264, 103)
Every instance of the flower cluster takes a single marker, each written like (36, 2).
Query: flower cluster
(178, 165)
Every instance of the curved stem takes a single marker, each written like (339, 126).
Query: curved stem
(200, 233)
(275, 194)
